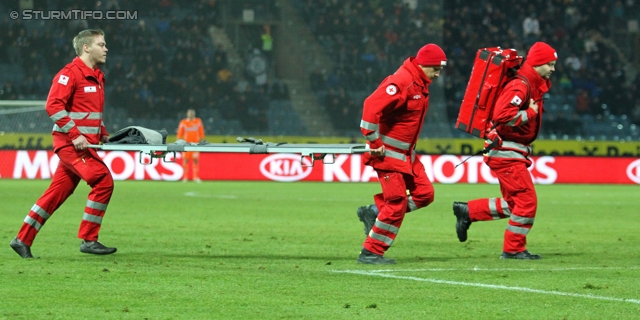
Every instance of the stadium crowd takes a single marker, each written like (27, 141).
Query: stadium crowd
(159, 65)
(165, 62)
(367, 39)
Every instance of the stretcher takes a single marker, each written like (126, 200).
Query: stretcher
(252, 146)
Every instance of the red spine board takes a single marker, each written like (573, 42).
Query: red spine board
(490, 71)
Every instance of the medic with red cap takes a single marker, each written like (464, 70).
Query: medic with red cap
(391, 122)
(517, 117)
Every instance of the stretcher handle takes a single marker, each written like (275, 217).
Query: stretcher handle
(157, 155)
(318, 156)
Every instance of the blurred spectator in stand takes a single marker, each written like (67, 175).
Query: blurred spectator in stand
(162, 85)
(27, 86)
(3, 50)
(316, 80)
(8, 92)
(531, 28)
(227, 107)
(635, 113)
(157, 53)
(165, 7)
(111, 5)
(583, 102)
(117, 73)
(163, 106)
(25, 4)
(278, 90)
(178, 65)
(144, 92)
(257, 67)
(267, 42)
(151, 112)
(573, 63)
(618, 14)
(197, 96)
(40, 85)
(132, 73)
(565, 83)
(211, 98)
(219, 59)
(224, 78)
(138, 107)
(117, 97)
(181, 93)
(163, 25)
(14, 53)
(190, 66)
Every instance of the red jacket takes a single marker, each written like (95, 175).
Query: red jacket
(393, 115)
(75, 104)
(517, 124)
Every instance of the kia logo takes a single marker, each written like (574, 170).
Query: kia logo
(285, 167)
(633, 171)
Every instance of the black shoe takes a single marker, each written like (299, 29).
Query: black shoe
(368, 217)
(368, 257)
(523, 255)
(21, 248)
(95, 247)
(463, 222)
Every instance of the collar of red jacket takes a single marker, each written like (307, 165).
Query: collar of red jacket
(534, 78)
(416, 71)
(86, 71)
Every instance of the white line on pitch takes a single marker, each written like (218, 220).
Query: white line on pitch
(499, 269)
(490, 286)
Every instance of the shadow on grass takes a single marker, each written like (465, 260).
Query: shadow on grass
(214, 256)
(289, 257)
(561, 254)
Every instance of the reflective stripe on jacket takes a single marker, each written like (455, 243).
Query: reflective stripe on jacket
(75, 104)
(393, 116)
(516, 123)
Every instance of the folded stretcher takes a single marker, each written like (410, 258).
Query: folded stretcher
(252, 146)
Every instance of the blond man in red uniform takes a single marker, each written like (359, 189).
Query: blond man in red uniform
(517, 117)
(392, 119)
(75, 105)
(191, 130)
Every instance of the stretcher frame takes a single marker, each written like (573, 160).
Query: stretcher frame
(312, 151)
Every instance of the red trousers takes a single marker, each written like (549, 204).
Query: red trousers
(518, 203)
(393, 203)
(74, 166)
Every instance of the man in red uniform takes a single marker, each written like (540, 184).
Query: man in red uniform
(517, 117)
(191, 130)
(75, 105)
(392, 118)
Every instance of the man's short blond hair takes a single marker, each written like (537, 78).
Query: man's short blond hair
(85, 37)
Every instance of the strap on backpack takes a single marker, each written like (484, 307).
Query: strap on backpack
(527, 97)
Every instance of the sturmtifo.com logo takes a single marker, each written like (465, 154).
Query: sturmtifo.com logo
(74, 15)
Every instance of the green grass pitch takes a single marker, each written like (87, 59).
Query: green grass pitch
(267, 250)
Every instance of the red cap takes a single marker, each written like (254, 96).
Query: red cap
(541, 53)
(431, 55)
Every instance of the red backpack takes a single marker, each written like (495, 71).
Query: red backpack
(492, 69)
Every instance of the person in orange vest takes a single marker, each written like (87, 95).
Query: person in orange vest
(191, 130)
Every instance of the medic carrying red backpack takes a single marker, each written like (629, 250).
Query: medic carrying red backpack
(492, 69)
